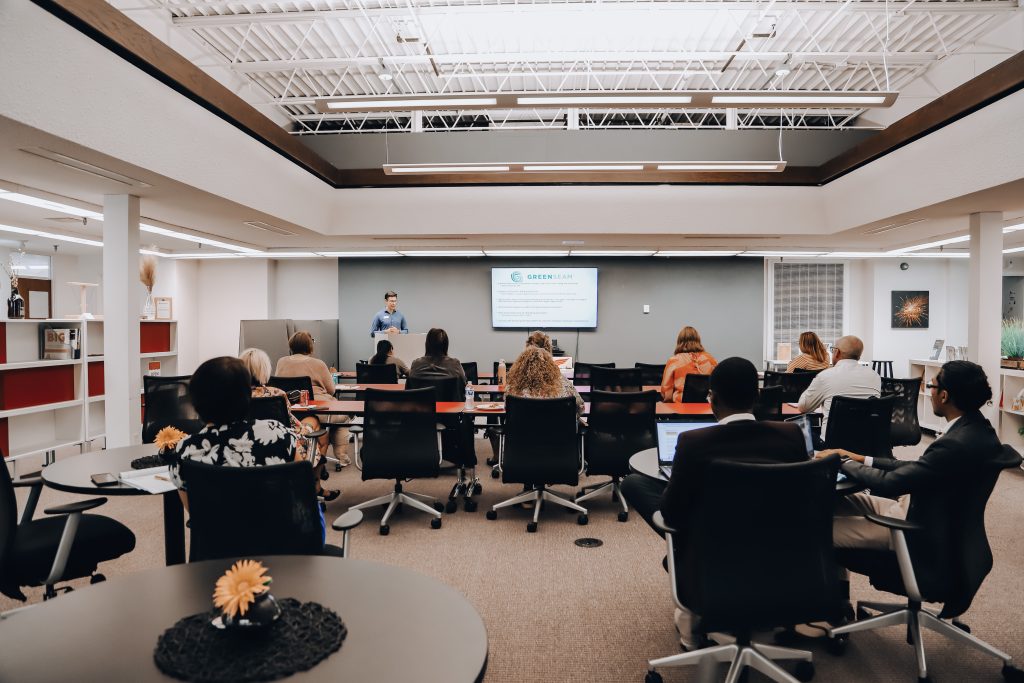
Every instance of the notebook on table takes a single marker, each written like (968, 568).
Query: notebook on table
(668, 436)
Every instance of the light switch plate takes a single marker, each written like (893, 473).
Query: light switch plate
(647, 308)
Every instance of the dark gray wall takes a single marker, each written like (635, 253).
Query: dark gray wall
(722, 298)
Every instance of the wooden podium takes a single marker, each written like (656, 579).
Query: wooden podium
(408, 347)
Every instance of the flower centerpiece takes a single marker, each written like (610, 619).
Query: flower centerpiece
(167, 440)
(147, 276)
(1011, 343)
(243, 596)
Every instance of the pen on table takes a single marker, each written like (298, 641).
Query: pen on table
(162, 477)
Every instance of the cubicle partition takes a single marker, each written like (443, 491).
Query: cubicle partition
(272, 336)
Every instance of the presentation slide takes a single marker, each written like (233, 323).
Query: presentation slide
(544, 297)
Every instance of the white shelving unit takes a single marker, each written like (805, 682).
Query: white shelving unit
(1010, 421)
(926, 369)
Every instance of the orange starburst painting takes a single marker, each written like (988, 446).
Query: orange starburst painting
(909, 310)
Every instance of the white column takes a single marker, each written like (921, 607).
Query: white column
(985, 295)
(121, 313)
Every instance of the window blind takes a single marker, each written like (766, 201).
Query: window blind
(807, 296)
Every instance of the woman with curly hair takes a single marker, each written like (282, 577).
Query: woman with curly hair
(535, 375)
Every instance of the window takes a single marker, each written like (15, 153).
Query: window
(806, 296)
(31, 265)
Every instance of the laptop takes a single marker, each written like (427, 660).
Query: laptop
(804, 423)
(668, 436)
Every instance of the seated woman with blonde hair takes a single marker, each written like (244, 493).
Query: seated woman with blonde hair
(813, 355)
(535, 375)
(689, 358)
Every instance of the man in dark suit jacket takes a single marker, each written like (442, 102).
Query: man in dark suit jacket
(938, 479)
(737, 436)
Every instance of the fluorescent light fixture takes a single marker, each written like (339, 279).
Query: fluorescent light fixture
(360, 254)
(859, 254)
(770, 166)
(1013, 228)
(49, 235)
(938, 254)
(782, 253)
(526, 252)
(820, 100)
(51, 205)
(695, 253)
(931, 245)
(204, 256)
(411, 103)
(150, 252)
(195, 238)
(611, 252)
(283, 254)
(465, 252)
(390, 169)
(1013, 250)
(583, 167)
(635, 100)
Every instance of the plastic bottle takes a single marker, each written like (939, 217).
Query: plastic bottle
(470, 396)
(501, 371)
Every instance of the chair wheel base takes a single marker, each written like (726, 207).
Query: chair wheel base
(435, 523)
(804, 671)
(337, 467)
(439, 507)
(495, 474)
(531, 527)
(962, 626)
(492, 514)
(623, 516)
(97, 578)
(924, 679)
(1013, 674)
(837, 646)
(653, 677)
(451, 507)
(477, 489)
(582, 520)
(384, 529)
(470, 505)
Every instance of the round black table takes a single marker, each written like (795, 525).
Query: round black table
(74, 476)
(646, 463)
(402, 626)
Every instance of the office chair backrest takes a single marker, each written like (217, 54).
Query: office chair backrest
(906, 430)
(446, 387)
(695, 388)
(581, 372)
(793, 383)
(541, 441)
(400, 434)
(269, 408)
(619, 425)
(615, 379)
(757, 550)
(252, 511)
(8, 530)
(290, 385)
(472, 374)
(167, 405)
(861, 425)
(651, 374)
(769, 403)
(376, 374)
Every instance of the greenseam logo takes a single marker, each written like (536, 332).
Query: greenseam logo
(517, 276)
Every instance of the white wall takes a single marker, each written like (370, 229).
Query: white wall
(304, 289)
(229, 291)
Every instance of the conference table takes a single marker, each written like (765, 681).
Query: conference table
(402, 625)
(73, 475)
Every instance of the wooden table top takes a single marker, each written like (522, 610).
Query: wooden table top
(454, 407)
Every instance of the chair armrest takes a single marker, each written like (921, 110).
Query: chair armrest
(659, 522)
(36, 484)
(349, 520)
(356, 429)
(314, 434)
(440, 427)
(77, 506)
(498, 429)
(893, 522)
(28, 481)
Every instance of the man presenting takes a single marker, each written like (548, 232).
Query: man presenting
(388, 319)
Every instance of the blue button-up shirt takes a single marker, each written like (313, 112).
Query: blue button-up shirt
(383, 320)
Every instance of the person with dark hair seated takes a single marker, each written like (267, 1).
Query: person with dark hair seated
(436, 362)
(969, 445)
(220, 391)
(386, 356)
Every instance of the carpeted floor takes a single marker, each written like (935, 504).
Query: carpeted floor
(558, 612)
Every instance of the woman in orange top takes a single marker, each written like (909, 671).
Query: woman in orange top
(690, 357)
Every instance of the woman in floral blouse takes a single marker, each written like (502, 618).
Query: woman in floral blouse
(690, 358)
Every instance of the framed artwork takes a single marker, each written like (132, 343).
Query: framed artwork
(162, 306)
(909, 310)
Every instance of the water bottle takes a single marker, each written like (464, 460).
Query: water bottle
(469, 396)
(501, 371)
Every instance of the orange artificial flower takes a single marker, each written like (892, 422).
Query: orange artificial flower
(168, 438)
(239, 586)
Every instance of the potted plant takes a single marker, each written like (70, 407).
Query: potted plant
(1012, 343)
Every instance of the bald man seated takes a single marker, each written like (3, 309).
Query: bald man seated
(846, 377)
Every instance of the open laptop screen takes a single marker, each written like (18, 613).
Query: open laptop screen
(804, 423)
(668, 435)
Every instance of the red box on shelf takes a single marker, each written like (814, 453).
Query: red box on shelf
(95, 383)
(36, 386)
(154, 337)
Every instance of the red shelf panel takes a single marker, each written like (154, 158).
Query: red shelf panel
(95, 384)
(154, 337)
(36, 386)
(5, 438)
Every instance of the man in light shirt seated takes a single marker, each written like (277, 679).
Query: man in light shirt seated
(846, 377)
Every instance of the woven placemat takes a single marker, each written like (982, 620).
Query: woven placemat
(304, 635)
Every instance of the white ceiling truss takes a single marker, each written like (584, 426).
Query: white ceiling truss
(295, 52)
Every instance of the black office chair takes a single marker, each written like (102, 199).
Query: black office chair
(861, 425)
(651, 374)
(376, 374)
(777, 567)
(695, 388)
(793, 383)
(581, 372)
(882, 367)
(620, 424)
(247, 511)
(399, 440)
(615, 379)
(292, 386)
(906, 430)
(540, 447)
(472, 374)
(942, 556)
(67, 545)
(769, 403)
(167, 404)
